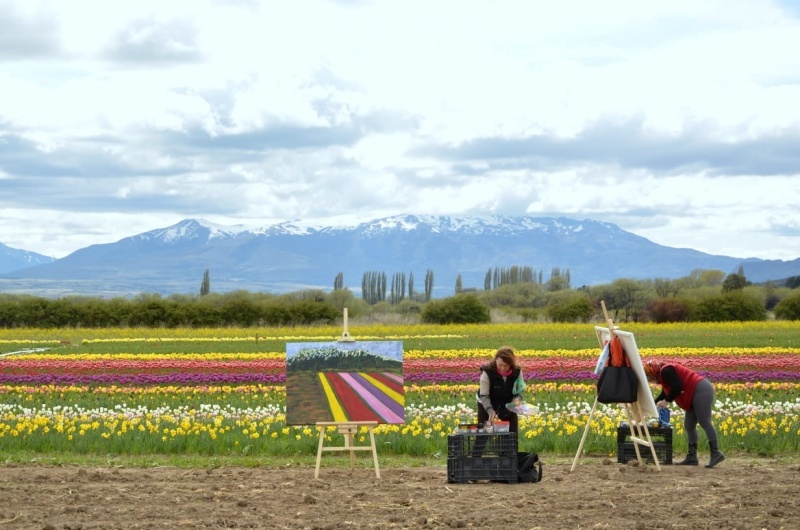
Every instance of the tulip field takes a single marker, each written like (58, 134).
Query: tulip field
(220, 392)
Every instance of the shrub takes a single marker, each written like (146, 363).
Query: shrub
(515, 295)
(341, 298)
(460, 309)
(669, 310)
(729, 307)
(571, 309)
(515, 314)
(789, 307)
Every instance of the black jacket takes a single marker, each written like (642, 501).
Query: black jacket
(501, 391)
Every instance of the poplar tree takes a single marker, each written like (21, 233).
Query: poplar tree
(428, 285)
(205, 285)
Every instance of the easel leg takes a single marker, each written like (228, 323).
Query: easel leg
(652, 448)
(319, 450)
(647, 434)
(374, 451)
(640, 433)
(634, 431)
(583, 438)
(348, 443)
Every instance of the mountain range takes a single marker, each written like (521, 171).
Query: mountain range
(292, 256)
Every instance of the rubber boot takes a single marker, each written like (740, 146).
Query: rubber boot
(716, 455)
(691, 457)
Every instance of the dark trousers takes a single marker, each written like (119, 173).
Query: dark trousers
(699, 413)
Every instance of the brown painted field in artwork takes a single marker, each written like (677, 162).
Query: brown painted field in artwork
(305, 400)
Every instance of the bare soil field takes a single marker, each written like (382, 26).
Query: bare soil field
(600, 494)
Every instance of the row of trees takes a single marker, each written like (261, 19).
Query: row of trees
(373, 287)
(238, 308)
(699, 297)
(374, 283)
(702, 296)
(516, 274)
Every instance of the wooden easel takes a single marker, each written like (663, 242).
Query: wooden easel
(345, 333)
(348, 429)
(640, 434)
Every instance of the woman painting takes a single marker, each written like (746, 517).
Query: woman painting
(500, 383)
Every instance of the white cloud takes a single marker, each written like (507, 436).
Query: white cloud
(677, 121)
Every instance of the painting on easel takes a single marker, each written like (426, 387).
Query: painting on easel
(344, 381)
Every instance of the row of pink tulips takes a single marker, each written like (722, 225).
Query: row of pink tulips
(64, 370)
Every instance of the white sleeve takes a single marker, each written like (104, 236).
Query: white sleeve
(483, 392)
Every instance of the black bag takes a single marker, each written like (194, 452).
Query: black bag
(618, 382)
(526, 462)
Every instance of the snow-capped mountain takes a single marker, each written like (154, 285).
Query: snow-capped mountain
(295, 255)
(12, 259)
(190, 229)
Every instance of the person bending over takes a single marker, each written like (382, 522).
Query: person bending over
(694, 394)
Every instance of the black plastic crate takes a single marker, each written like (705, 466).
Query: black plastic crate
(479, 456)
(660, 434)
(626, 452)
(662, 442)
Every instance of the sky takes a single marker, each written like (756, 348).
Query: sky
(677, 121)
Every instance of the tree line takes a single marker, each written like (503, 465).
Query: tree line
(239, 308)
(704, 295)
(374, 285)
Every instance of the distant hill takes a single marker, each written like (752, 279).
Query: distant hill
(12, 259)
(292, 256)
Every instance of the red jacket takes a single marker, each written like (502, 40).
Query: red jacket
(689, 379)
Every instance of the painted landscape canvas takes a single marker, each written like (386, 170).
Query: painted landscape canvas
(344, 381)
